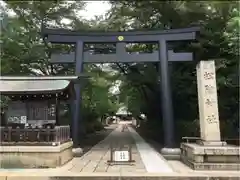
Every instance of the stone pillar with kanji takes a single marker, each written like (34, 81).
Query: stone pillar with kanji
(208, 104)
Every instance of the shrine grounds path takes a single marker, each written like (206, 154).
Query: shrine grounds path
(96, 159)
(149, 164)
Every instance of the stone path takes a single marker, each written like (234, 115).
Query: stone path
(93, 164)
(152, 160)
(95, 160)
(92, 139)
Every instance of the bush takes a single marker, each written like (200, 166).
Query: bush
(98, 126)
(93, 126)
(89, 128)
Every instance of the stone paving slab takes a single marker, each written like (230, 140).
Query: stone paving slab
(153, 161)
(96, 159)
(92, 165)
(122, 176)
(59, 173)
(180, 167)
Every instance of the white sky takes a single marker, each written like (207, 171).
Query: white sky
(95, 8)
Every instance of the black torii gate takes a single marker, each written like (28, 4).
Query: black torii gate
(163, 55)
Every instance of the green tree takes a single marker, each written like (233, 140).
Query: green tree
(219, 22)
(24, 52)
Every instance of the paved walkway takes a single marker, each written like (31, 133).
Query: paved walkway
(149, 163)
(95, 160)
(153, 161)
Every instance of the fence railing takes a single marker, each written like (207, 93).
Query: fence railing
(228, 140)
(53, 136)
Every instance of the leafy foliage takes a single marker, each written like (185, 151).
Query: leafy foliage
(23, 52)
(219, 40)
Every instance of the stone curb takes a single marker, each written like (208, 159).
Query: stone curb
(117, 176)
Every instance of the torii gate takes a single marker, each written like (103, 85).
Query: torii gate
(163, 55)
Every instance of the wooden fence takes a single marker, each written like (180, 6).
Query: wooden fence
(41, 136)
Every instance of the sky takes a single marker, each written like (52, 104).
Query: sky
(95, 8)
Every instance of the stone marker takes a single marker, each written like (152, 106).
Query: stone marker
(208, 103)
(210, 153)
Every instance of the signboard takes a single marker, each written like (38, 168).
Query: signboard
(16, 111)
(31, 112)
(23, 119)
(41, 113)
(121, 155)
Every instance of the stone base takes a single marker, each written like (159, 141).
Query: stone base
(119, 176)
(200, 157)
(171, 153)
(35, 156)
(77, 152)
(211, 143)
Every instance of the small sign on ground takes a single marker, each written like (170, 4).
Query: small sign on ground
(121, 153)
(121, 156)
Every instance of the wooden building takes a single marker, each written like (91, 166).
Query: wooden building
(33, 109)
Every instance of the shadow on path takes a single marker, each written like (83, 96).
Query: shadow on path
(153, 143)
(92, 139)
